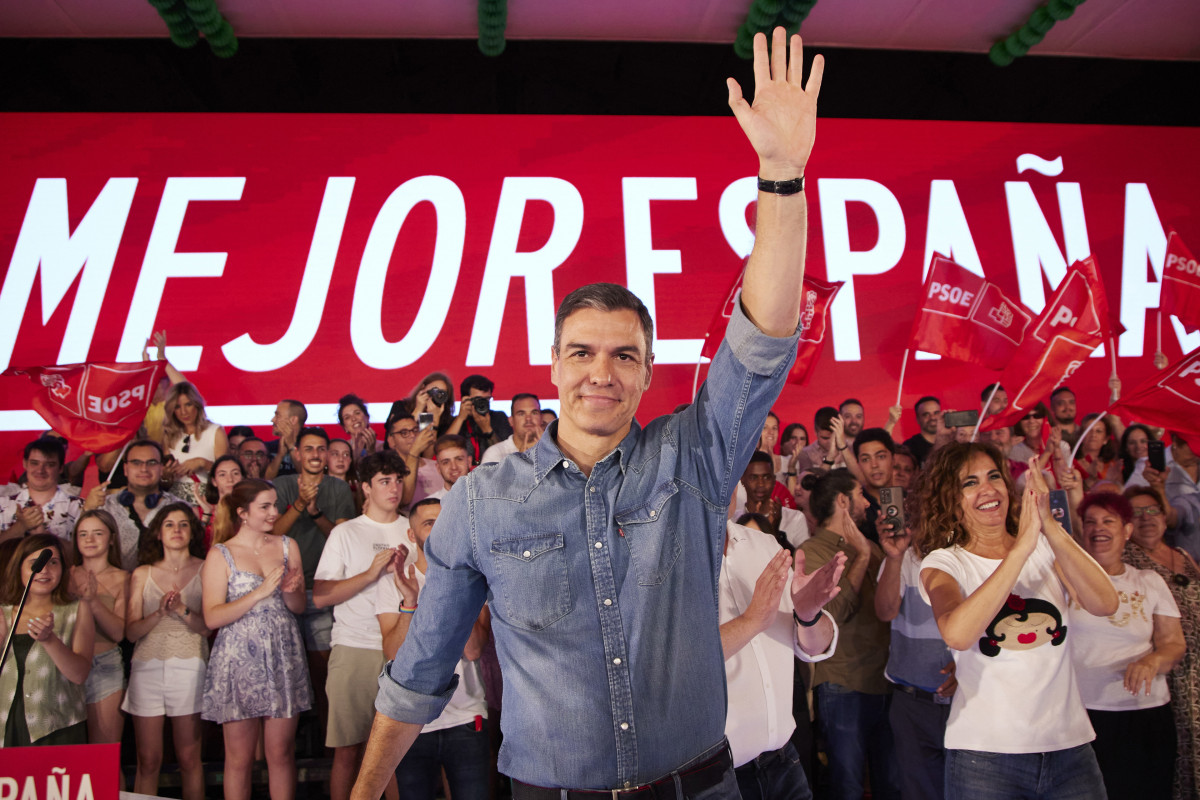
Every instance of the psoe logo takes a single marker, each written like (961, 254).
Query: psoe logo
(1002, 315)
(57, 386)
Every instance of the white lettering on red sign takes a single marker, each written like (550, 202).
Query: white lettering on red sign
(108, 405)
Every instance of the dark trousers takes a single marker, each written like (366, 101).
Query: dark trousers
(461, 750)
(857, 733)
(777, 775)
(1136, 751)
(919, 733)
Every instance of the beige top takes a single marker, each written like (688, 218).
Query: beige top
(171, 637)
(51, 701)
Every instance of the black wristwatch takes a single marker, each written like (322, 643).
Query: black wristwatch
(317, 515)
(804, 624)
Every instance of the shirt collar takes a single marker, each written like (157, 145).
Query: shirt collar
(547, 455)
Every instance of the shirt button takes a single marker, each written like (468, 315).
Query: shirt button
(592, 489)
(617, 661)
(624, 726)
(527, 554)
(599, 545)
(653, 513)
(607, 602)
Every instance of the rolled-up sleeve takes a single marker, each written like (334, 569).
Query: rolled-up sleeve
(405, 705)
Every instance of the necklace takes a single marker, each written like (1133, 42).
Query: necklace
(262, 543)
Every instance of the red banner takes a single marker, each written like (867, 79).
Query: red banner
(968, 318)
(1061, 340)
(816, 297)
(66, 772)
(97, 407)
(1170, 399)
(1181, 283)
(311, 255)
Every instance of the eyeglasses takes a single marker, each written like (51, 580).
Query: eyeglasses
(187, 443)
(252, 455)
(1147, 511)
(152, 463)
(407, 433)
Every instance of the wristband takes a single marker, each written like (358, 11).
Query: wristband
(827, 461)
(843, 447)
(298, 510)
(804, 624)
(406, 610)
(793, 186)
(317, 515)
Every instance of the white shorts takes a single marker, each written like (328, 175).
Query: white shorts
(174, 687)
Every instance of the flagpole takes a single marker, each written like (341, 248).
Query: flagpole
(903, 366)
(1082, 436)
(1159, 316)
(1112, 349)
(986, 406)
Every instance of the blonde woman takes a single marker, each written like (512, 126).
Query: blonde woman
(192, 442)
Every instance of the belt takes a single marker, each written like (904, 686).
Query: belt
(694, 777)
(921, 694)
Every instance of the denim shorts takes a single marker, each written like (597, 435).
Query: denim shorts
(316, 624)
(107, 676)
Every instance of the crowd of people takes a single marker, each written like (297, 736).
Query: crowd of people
(977, 614)
(298, 562)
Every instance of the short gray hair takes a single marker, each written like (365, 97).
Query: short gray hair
(604, 297)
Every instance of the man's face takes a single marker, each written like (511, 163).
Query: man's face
(283, 413)
(825, 439)
(1181, 451)
(143, 468)
(875, 460)
(1001, 437)
(452, 464)
(311, 453)
(601, 370)
(852, 418)
(420, 523)
(759, 481)
(254, 458)
(999, 402)
(858, 504)
(400, 438)
(526, 419)
(1063, 407)
(42, 471)
(547, 418)
(927, 416)
(384, 492)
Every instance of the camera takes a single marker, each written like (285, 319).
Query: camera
(437, 396)
(482, 404)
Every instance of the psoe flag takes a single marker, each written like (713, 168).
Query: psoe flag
(98, 406)
(968, 318)
(1170, 399)
(1180, 288)
(815, 298)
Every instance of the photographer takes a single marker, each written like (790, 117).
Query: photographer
(476, 422)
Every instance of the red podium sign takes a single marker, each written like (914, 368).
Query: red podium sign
(76, 772)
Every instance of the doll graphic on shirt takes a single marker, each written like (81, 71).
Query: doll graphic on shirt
(1023, 624)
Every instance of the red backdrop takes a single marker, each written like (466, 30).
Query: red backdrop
(561, 201)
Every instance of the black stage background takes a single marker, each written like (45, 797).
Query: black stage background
(541, 77)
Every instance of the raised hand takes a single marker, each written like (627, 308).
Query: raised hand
(894, 543)
(95, 498)
(381, 563)
(293, 580)
(41, 628)
(768, 591)
(406, 579)
(781, 123)
(811, 592)
(271, 581)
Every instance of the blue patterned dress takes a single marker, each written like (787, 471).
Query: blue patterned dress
(257, 667)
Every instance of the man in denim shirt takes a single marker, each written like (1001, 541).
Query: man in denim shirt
(599, 549)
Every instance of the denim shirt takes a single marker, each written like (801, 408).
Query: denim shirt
(602, 588)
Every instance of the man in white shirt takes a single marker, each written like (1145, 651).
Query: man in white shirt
(759, 481)
(357, 553)
(526, 421)
(456, 741)
(770, 613)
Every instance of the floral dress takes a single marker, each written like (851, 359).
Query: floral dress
(257, 667)
(1184, 680)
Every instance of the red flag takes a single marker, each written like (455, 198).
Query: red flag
(99, 405)
(814, 318)
(1065, 334)
(1170, 398)
(715, 333)
(816, 296)
(1110, 326)
(1180, 292)
(968, 318)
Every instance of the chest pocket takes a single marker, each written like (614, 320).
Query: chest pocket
(533, 589)
(649, 533)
